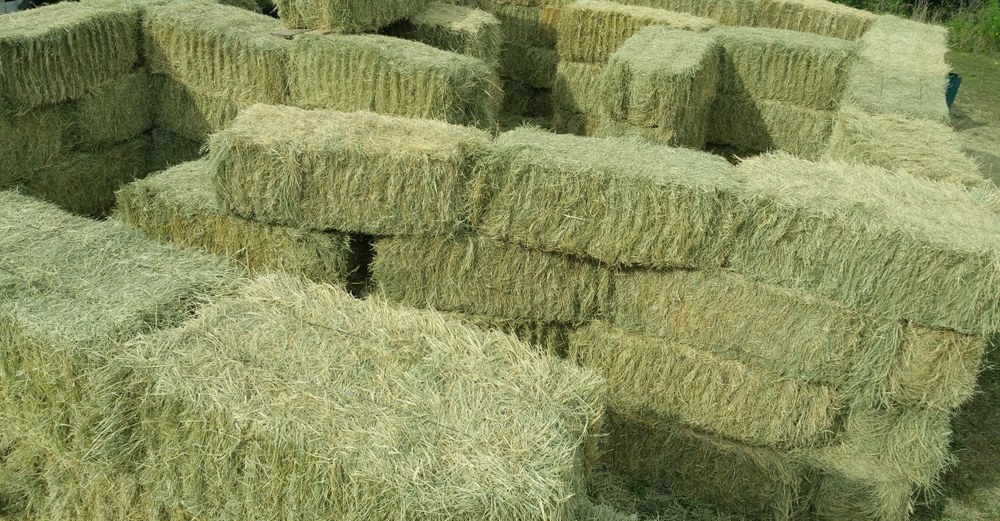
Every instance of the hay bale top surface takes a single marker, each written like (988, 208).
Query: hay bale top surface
(904, 44)
(225, 21)
(784, 39)
(667, 50)
(406, 55)
(934, 212)
(35, 23)
(649, 15)
(86, 282)
(417, 413)
(187, 185)
(454, 17)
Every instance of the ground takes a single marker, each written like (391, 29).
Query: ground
(976, 114)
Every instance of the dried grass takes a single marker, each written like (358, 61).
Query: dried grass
(524, 100)
(112, 113)
(762, 126)
(454, 28)
(528, 26)
(32, 141)
(578, 89)
(841, 499)
(189, 113)
(168, 149)
(535, 66)
(347, 16)
(936, 368)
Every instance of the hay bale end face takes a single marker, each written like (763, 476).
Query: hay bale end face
(402, 392)
(528, 25)
(32, 140)
(347, 16)
(188, 113)
(453, 28)
(117, 111)
(755, 126)
(353, 172)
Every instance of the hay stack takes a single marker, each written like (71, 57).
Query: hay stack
(617, 201)
(189, 113)
(32, 141)
(454, 28)
(664, 79)
(180, 206)
(168, 149)
(589, 31)
(112, 113)
(529, 26)
(391, 76)
(533, 66)
(764, 125)
(60, 52)
(353, 172)
(577, 97)
(289, 386)
(346, 16)
(481, 277)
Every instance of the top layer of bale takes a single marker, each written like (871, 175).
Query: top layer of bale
(59, 52)
(355, 172)
(347, 16)
(454, 28)
(901, 70)
(590, 30)
(218, 49)
(615, 200)
(365, 411)
(529, 26)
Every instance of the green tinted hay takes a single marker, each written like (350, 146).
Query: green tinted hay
(223, 50)
(606, 128)
(392, 76)
(354, 172)
(709, 392)
(841, 499)
(759, 482)
(180, 206)
(535, 66)
(665, 79)
(168, 149)
(31, 141)
(528, 26)
(577, 88)
(114, 112)
(348, 16)
(481, 277)
(901, 70)
(609, 489)
(921, 147)
(72, 290)
(936, 368)
(189, 113)
(85, 182)
(60, 52)
(454, 28)
(618, 201)
(299, 398)
(591, 30)
(524, 100)
(761, 126)
(549, 338)
(250, 5)
(864, 237)
(772, 64)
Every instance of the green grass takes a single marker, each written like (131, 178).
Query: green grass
(976, 114)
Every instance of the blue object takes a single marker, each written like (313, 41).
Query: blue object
(954, 82)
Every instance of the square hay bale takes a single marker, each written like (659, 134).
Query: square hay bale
(712, 393)
(921, 147)
(85, 182)
(813, 16)
(664, 78)
(900, 70)
(936, 368)
(71, 291)
(524, 100)
(223, 50)
(549, 337)
(841, 499)
(392, 76)
(346, 16)
(114, 112)
(180, 206)
(610, 489)
(364, 410)
(801, 69)
(453, 28)
(189, 113)
(31, 141)
(865, 238)
(535, 66)
(354, 172)
(757, 482)
(22, 485)
(482, 277)
(727, 12)
(591, 30)
(59, 52)
(578, 88)
(618, 201)
(168, 149)
(765, 125)
(528, 26)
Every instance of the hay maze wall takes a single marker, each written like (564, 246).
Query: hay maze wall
(782, 336)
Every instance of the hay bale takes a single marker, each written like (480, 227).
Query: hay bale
(59, 52)
(524, 100)
(354, 172)
(392, 76)
(72, 290)
(625, 494)
(346, 16)
(168, 149)
(900, 70)
(840, 499)
(189, 113)
(591, 30)
(762, 126)
(549, 337)
(528, 26)
(757, 482)
(921, 147)
(180, 206)
(112, 113)
(85, 182)
(360, 408)
(618, 201)
(936, 368)
(223, 50)
(665, 79)
(863, 237)
(535, 66)
(453, 28)
(712, 393)
(481, 277)
(578, 88)
(727, 12)
(31, 141)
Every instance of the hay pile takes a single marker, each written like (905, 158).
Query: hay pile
(346, 16)
(454, 28)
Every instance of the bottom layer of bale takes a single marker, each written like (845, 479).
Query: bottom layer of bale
(840, 499)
